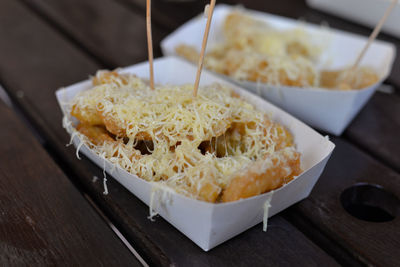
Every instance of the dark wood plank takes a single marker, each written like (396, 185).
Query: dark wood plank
(374, 243)
(171, 14)
(38, 58)
(109, 31)
(377, 127)
(44, 220)
(168, 14)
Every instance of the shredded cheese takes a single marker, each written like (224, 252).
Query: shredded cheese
(266, 207)
(104, 177)
(252, 50)
(191, 145)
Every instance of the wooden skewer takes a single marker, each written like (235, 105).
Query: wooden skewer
(203, 46)
(374, 33)
(149, 42)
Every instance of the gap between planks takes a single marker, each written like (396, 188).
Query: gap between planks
(320, 239)
(115, 230)
(369, 151)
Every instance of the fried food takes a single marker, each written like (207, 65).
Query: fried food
(86, 115)
(108, 77)
(200, 147)
(112, 124)
(254, 51)
(99, 136)
(253, 67)
(88, 107)
(348, 79)
(263, 175)
(96, 134)
(188, 52)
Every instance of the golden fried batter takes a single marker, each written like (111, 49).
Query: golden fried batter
(106, 77)
(87, 115)
(96, 134)
(258, 179)
(347, 79)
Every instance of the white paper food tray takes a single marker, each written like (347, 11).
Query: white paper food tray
(328, 110)
(209, 224)
(367, 12)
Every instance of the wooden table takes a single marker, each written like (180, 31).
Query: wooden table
(52, 211)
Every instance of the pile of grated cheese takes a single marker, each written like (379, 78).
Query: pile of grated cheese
(174, 126)
(254, 51)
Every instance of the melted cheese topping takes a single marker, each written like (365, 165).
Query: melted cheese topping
(192, 145)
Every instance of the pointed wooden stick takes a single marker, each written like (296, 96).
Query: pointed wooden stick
(374, 33)
(203, 46)
(149, 42)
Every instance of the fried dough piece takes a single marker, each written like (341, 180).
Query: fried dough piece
(283, 138)
(206, 186)
(296, 48)
(305, 78)
(232, 59)
(209, 192)
(106, 77)
(86, 109)
(258, 70)
(236, 27)
(115, 126)
(112, 124)
(263, 175)
(96, 134)
(209, 189)
(348, 80)
(86, 114)
(227, 144)
(188, 52)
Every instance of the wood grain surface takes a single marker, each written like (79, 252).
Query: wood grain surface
(57, 46)
(377, 128)
(41, 222)
(106, 29)
(374, 243)
(169, 14)
(159, 242)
